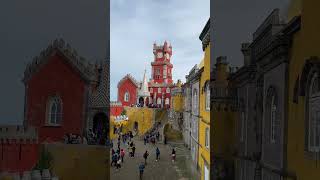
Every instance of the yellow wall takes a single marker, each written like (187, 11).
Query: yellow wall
(204, 121)
(305, 44)
(144, 117)
(177, 100)
(81, 162)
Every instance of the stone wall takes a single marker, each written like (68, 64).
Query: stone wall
(78, 161)
(143, 116)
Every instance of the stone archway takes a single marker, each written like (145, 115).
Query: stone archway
(136, 126)
(141, 101)
(101, 127)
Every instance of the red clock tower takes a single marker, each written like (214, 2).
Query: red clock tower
(161, 77)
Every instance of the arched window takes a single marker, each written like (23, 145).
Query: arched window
(159, 100)
(159, 90)
(271, 117)
(167, 101)
(207, 99)
(195, 100)
(273, 111)
(126, 96)
(151, 90)
(207, 138)
(54, 111)
(313, 111)
(168, 90)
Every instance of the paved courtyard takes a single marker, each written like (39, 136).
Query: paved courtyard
(162, 170)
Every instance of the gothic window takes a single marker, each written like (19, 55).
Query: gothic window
(157, 71)
(159, 100)
(151, 90)
(167, 101)
(126, 96)
(159, 90)
(165, 71)
(207, 99)
(195, 100)
(314, 114)
(168, 90)
(54, 111)
(273, 119)
(207, 138)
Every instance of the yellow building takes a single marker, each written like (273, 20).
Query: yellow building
(303, 102)
(140, 118)
(176, 98)
(204, 105)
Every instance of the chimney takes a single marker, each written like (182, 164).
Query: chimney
(246, 51)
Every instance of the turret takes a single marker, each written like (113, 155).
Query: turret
(245, 49)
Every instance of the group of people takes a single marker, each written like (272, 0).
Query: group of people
(118, 156)
(73, 139)
(151, 136)
(127, 140)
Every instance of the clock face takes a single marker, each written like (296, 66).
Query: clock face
(159, 55)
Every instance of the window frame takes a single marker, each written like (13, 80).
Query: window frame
(126, 96)
(58, 115)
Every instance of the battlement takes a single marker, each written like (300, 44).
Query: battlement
(18, 133)
(165, 47)
(86, 68)
(115, 104)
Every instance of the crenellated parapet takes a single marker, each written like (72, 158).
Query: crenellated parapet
(115, 104)
(129, 76)
(18, 134)
(86, 69)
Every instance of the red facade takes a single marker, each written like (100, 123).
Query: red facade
(127, 85)
(116, 110)
(161, 79)
(56, 78)
(17, 156)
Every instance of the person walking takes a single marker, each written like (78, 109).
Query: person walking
(114, 159)
(157, 154)
(112, 152)
(145, 156)
(141, 169)
(130, 151)
(133, 150)
(118, 164)
(173, 155)
(144, 140)
(122, 154)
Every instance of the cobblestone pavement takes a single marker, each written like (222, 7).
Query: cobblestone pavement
(164, 169)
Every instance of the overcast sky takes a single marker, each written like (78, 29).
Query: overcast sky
(235, 21)
(135, 25)
(27, 27)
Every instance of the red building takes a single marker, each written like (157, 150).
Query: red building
(116, 108)
(161, 81)
(63, 94)
(127, 90)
